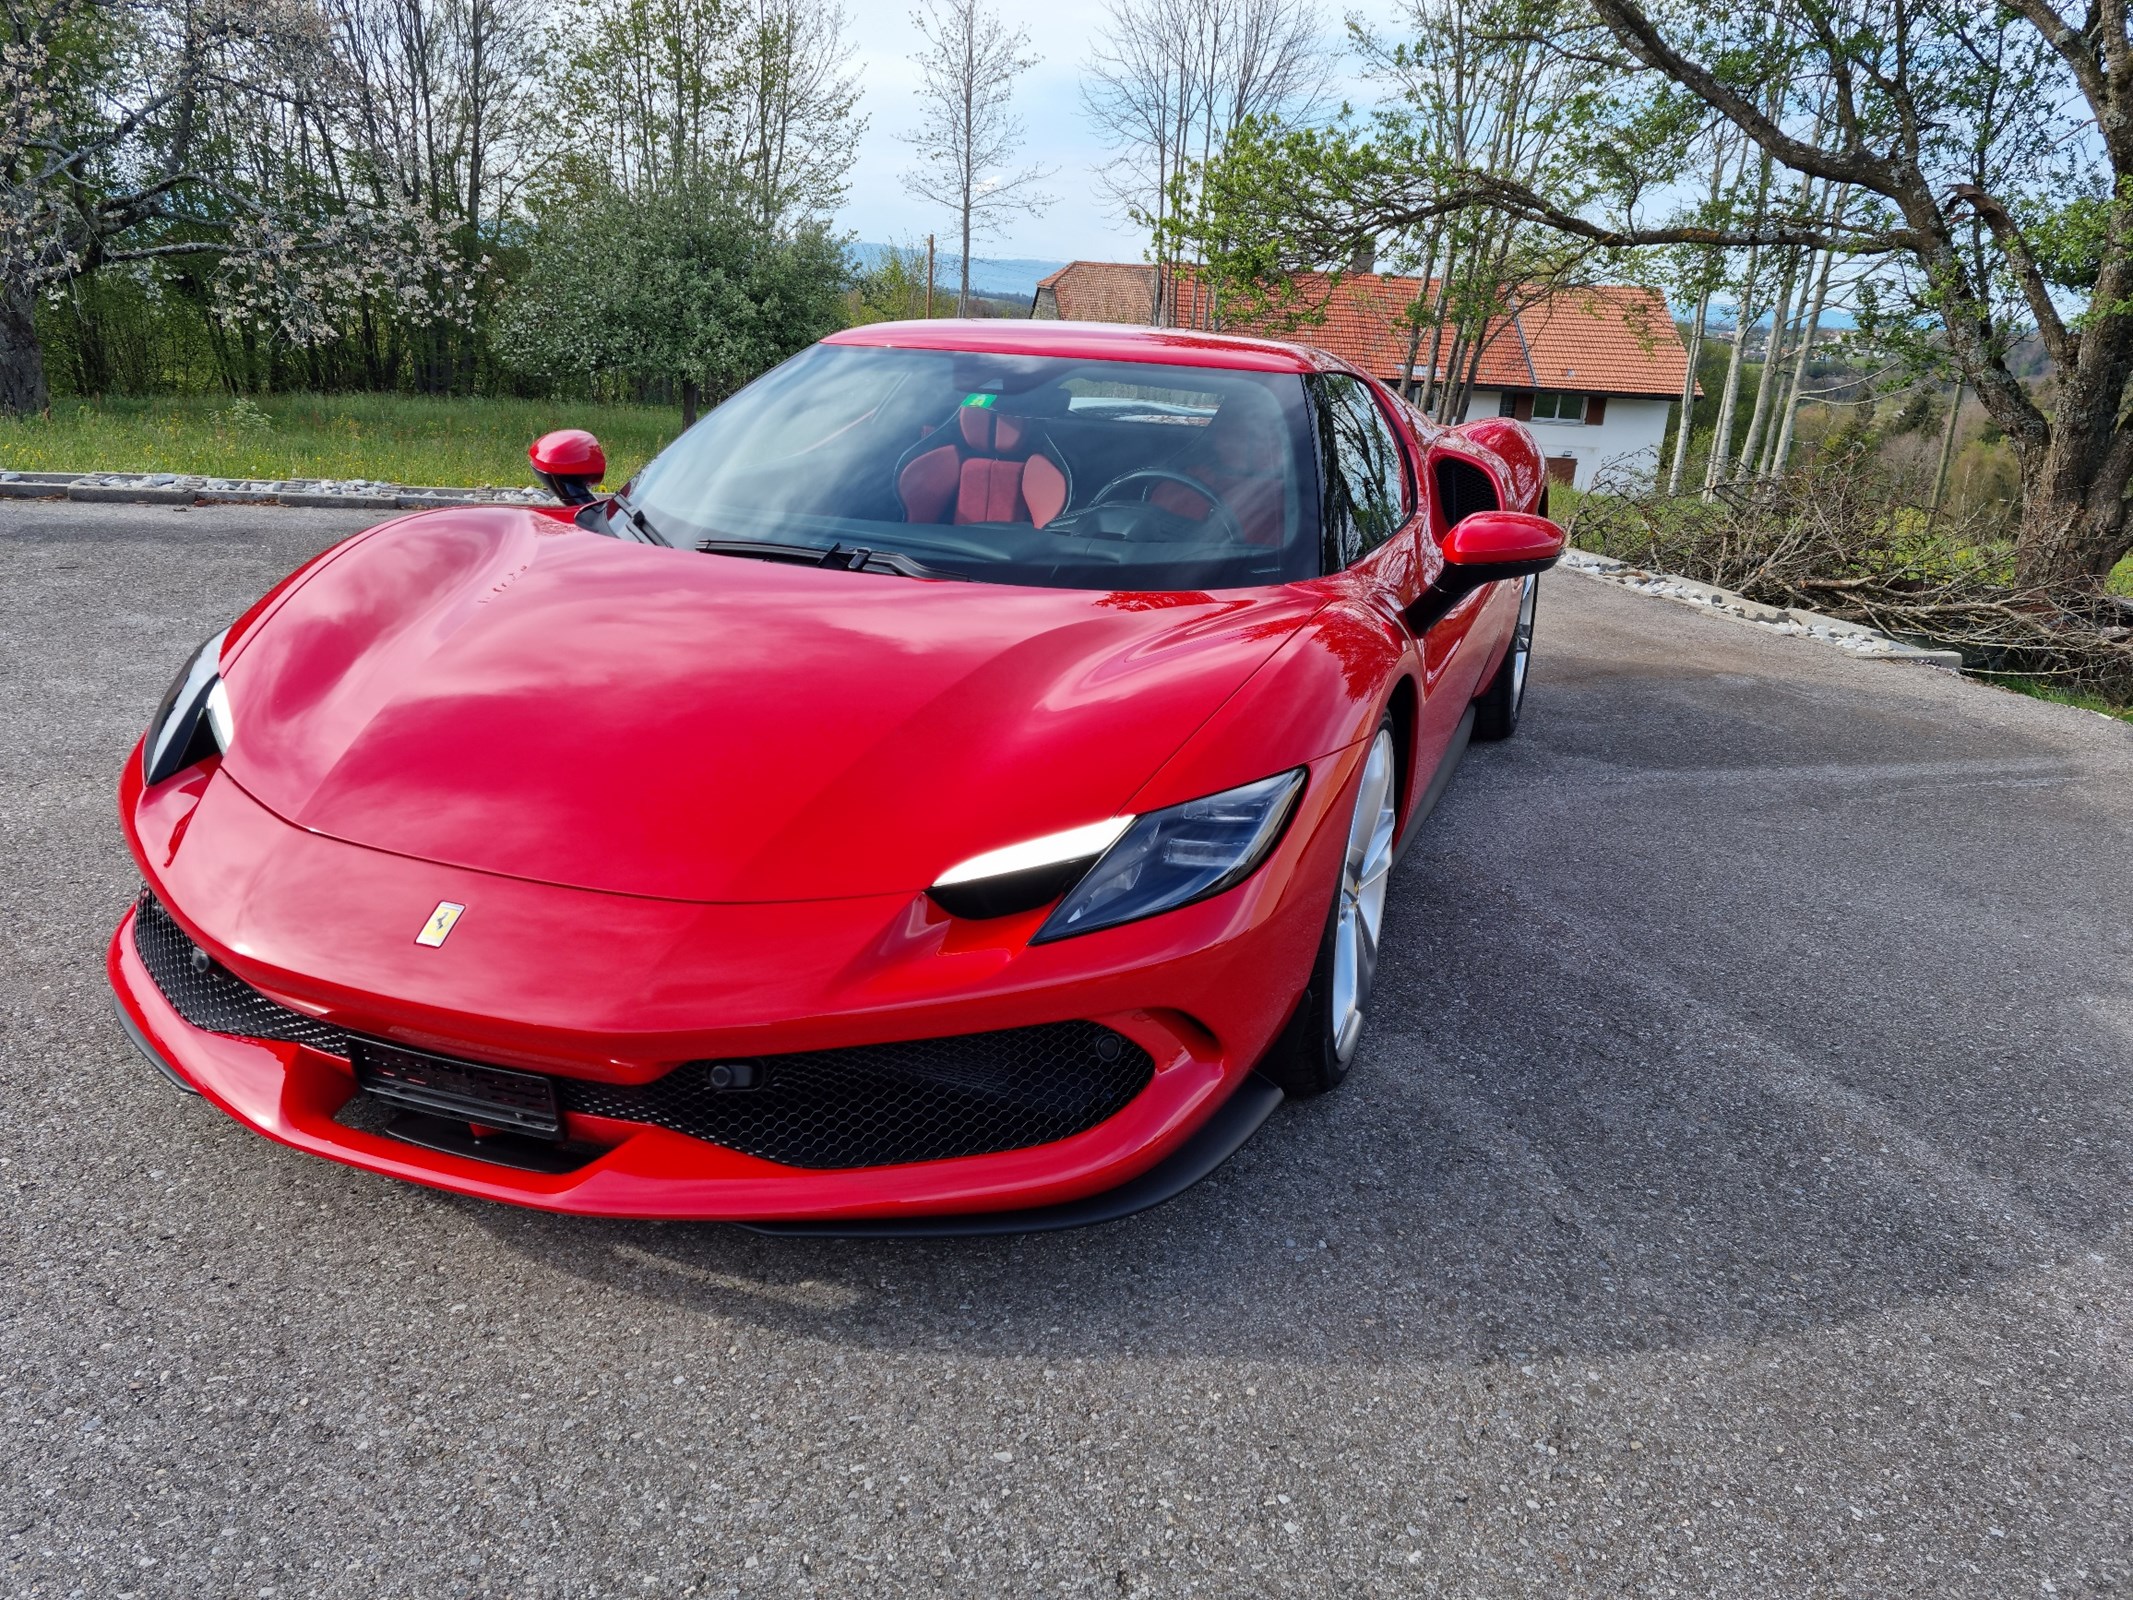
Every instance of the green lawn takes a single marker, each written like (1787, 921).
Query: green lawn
(392, 438)
(2038, 689)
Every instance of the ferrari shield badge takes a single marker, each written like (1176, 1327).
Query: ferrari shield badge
(439, 927)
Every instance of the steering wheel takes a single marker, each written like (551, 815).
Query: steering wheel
(1219, 511)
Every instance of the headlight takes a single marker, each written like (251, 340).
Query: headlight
(193, 722)
(1171, 858)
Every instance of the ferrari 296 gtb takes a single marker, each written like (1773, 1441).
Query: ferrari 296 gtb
(952, 788)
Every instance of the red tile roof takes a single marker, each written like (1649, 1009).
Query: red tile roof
(1102, 291)
(1611, 339)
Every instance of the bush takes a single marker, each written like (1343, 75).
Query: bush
(1843, 538)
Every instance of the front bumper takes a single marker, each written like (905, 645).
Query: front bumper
(1202, 991)
(1172, 1135)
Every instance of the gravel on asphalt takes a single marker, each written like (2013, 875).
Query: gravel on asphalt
(1731, 1199)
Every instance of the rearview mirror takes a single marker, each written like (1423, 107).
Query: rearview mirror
(569, 463)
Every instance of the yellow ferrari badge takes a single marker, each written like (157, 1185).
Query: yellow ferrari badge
(439, 927)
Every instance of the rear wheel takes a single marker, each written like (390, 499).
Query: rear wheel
(1497, 707)
(1314, 1052)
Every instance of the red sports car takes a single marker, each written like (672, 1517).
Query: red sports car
(951, 789)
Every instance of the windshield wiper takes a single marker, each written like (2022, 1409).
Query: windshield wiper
(637, 520)
(836, 557)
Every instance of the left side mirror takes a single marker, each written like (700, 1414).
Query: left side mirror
(569, 463)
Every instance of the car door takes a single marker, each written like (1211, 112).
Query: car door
(1378, 526)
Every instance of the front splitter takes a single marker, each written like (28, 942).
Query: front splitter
(1215, 1141)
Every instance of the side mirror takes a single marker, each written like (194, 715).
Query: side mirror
(1481, 549)
(1499, 544)
(569, 463)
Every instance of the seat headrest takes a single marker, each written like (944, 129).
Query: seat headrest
(1246, 436)
(990, 432)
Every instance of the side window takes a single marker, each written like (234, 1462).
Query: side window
(1366, 478)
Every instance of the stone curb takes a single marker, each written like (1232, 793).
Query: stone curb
(1853, 638)
(184, 489)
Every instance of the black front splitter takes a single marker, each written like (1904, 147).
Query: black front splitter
(1213, 1143)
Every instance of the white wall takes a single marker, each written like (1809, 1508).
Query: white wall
(1626, 444)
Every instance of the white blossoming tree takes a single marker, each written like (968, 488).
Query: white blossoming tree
(224, 134)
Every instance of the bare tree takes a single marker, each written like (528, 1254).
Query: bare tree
(795, 92)
(968, 133)
(1469, 89)
(1169, 82)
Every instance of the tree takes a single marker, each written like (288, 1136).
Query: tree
(893, 287)
(1469, 88)
(1170, 81)
(1989, 154)
(682, 285)
(795, 95)
(221, 135)
(668, 93)
(968, 132)
(687, 241)
(450, 88)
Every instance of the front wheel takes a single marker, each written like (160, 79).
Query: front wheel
(1497, 707)
(1314, 1052)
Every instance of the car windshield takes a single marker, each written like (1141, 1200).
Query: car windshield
(1045, 471)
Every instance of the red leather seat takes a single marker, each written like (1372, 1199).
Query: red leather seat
(993, 469)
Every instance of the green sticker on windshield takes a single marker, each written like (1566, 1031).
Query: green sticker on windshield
(979, 399)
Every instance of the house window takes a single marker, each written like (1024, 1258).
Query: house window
(1558, 408)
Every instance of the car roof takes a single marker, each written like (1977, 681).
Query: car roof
(1092, 341)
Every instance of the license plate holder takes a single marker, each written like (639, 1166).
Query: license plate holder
(468, 1091)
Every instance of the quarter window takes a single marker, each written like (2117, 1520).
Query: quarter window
(1365, 472)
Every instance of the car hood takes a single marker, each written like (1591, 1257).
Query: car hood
(498, 690)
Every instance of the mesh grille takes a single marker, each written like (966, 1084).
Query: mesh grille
(214, 999)
(870, 1106)
(880, 1105)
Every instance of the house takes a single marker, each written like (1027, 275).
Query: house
(1596, 371)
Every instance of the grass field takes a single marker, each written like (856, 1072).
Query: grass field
(391, 438)
(2038, 690)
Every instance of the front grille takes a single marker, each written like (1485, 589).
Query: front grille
(212, 998)
(868, 1106)
(884, 1104)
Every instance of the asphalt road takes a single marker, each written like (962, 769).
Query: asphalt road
(1731, 1200)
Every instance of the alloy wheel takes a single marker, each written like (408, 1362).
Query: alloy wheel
(1361, 913)
(1522, 640)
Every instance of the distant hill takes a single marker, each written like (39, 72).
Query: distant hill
(1013, 276)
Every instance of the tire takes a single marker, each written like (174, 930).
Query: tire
(1314, 1052)
(1497, 707)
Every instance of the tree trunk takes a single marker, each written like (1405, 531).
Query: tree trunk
(1773, 360)
(22, 386)
(1688, 396)
(1947, 454)
(1414, 349)
(688, 402)
(1781, 448)
(1744, 314)
(2074, 502)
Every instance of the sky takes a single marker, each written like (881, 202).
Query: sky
(1048, 99)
